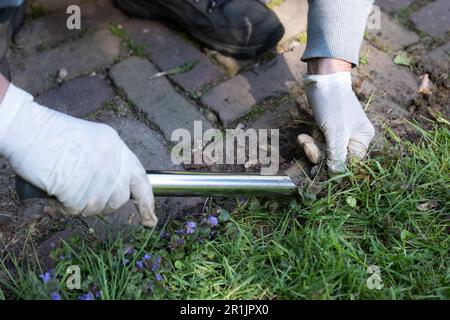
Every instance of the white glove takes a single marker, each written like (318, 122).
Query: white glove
(340, 117)
(85, 165)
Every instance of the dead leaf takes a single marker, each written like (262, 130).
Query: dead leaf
(427, 205)
(426, 85)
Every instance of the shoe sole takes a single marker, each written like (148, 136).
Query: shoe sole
(240, 52)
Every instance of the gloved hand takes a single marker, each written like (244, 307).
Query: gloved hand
(340, 117)
(85, 165)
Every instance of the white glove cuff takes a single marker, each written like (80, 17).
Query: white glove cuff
(334, 78)
(15, 99)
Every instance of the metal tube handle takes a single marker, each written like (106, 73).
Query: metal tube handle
(191, 184)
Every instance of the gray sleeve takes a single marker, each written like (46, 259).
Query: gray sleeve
(336, 29)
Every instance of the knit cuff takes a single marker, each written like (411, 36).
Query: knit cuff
(336, 29)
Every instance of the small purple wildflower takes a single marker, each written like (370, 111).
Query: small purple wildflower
(140, 264)
(163, 235)
(125, 262)
(181, 242)
(147, 257)
(88, 296)
(55, 296)
(98, 294)
(45, 277)
(180, 232)
(154, 267)
(190, 227)
(158, 277)
(158, 259)
(61, 257)
(213, 221)
(128, 250)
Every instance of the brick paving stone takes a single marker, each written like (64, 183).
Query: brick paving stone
(149, 147)
(381, 104)
(37, 73)
(397, 81)
(147, 144)
(78, 97)
(438, 60)
(433, 18)
(293, 14)
(381, 110)
(278, 118)
(392, 35)
(51, 29)
(384, 111)
(169, 50)
(393, 5)
(235, 98)
(157, 98)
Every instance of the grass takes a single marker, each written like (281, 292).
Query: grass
(391, 211)
(37, 11)
(127, 41)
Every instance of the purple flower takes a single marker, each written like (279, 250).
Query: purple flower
(190, 227)
(213, 221)
(45, 277)
(154, 267)
(61, 257)
(55, 296)
(163, 235)
(140, 264)
(88, 296)
(125, 262)
(157, 265)
(128, 250)
(158, 277)
(180, 242)
(180, 232)
(98, 294)
(147, 256)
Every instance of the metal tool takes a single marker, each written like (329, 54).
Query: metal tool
(190, 184)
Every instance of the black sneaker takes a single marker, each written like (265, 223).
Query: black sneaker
(241, 28)
(11, 19)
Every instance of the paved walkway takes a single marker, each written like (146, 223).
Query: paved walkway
(102, 73)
